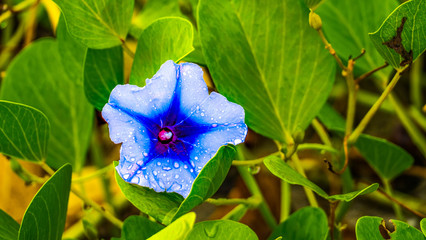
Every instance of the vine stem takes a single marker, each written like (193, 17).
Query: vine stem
(309, 194)
(17, 8)
(322, 133)
(127, 49)
(254, 189)
(285, 201)
(94, 174)
(395, 206)
(366, 119)
(252, 201)
(316, 146)
(110, 217)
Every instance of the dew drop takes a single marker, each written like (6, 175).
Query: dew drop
(202, 114)
(185, 166)
(196, 158)
(140, 163)
(214, 125)
(126, 176)
(176, 176)
(176, 165)
(155, 173)
(237, 141)
(167, 168)
(254, 169)
(159, 163)
(145, 154)
(135, 180)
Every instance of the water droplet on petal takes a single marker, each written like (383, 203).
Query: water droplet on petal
(145, 154)
(176, 165)
(167, 168)
(135, 180)
(196, 158)
(214, 125)
(132, 159)
(176, 176)
(185, 166)
(140, 163)
(237, 141)
(202, 114)
(159, 163)
(126, 176)
(155, 173)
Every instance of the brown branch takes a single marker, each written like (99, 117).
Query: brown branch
(368, 74)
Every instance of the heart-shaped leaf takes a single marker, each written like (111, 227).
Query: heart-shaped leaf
(165, 39)
(38, 78)
(103, 70)
(308, 223)
(265, 57)
(221, 230)
(45, 216)
(402, 37)
(24, 131)
(97, 24)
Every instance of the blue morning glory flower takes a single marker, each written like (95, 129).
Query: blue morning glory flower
(171, 127)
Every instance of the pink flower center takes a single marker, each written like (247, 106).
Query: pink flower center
(165, 135)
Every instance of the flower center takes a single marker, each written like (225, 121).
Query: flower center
(165, 135)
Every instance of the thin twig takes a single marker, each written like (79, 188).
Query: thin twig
(368, 74)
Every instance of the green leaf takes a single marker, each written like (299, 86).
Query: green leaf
(347, 23)
(138, 227)
(9, 227)
(308, 223)
(36, 77)
(103, 70)
(221, 230)
(155, 9)
(165, 39)
(312, 3)
(347, 197)
(423, 226)
(24, 131)
(412, 37)
(72, 52)
(368, 228)
(403, 231)
(97, 24)
(209, 179)
(155, 204)
(166, 207)
(387, 159)
(265, 57)
(281, 169)
(178, 229)
(45, 216)
(331, 118)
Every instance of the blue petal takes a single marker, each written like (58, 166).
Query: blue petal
(152, 101)
(126, 128)
(168, 172)
(217, 122)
